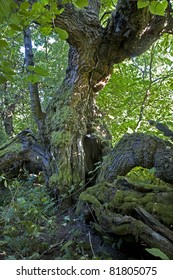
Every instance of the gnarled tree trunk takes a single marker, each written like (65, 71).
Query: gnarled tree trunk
(73, 127)
(73, 124)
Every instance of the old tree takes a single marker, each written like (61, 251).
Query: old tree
(73, 145)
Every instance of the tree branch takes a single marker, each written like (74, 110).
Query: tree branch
(132, 31)
(23, 150)
(139, 149)
(79, 22)
(94, 5)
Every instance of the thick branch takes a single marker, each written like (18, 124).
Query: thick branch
(23, 150)
(139, 149)
(163, 128)
(94, 6)
(79, 22)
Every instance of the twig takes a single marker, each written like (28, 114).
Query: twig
(90, 241)
(163, 128)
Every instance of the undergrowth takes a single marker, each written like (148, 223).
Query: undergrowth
(27, 218)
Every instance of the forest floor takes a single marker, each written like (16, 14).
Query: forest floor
(32, 226)
(74, 239)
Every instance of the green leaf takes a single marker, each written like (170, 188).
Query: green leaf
(45, 2)
(157, 253)
(8, 71)
(15, 27)
(10, 257)
(30, 68)
(5, 8)
(158, 8)
(142, 4)
(46, 30)
(152, 170)
(3, 43)
(165, 4)
(38, 8)
(32, 78)
(3, 79)
(63, 35)
(41, 71)
(66, 245)
(81, 3)
(25, 6)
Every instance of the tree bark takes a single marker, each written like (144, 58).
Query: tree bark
(23, 152)
(73, 124)
(139, 149)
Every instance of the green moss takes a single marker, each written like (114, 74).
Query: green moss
(90, 199)
(119, 199)
(64, 175)
(100, 191)
(146, 179)
(3, 136)
(53, 179)
(147, 198)
(64, 115)
(60, 139)
(164, 212)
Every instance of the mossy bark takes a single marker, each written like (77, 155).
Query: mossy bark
(122, 208)
(73, 126)
(23, 152)
(139, 149)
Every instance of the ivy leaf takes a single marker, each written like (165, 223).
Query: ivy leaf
(63, 35)
(81, 3)
(157, 253)
(158, 8)
(142, 4)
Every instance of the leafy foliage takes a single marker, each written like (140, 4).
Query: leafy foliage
(27, 216)
(155, 7)
(140, 90)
